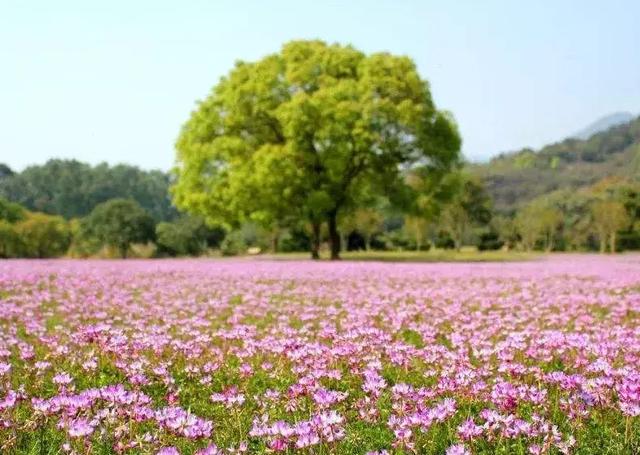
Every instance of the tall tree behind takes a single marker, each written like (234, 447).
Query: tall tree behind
(609, 217)
(469, 205)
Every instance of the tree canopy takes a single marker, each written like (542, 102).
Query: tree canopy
(118, 223)
(72, 189)
(306, 133)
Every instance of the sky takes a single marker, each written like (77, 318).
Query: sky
(114, 80)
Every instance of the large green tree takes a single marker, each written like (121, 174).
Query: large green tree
(327, 122)
(118, 223)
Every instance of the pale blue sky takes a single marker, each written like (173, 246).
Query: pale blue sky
(114, 80)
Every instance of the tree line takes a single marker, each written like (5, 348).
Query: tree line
(603, 217)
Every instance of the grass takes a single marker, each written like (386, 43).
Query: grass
(433, 255)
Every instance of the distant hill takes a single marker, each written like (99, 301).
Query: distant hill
(603, 124)
(515, 178)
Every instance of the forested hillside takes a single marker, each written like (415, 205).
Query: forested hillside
(513, 179)
(72, 189)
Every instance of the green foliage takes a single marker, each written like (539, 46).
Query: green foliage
(186, 236)
(609, 217)
(118, 223)
(83, 244)
(5, 171)
(10, 241)
(444, 241)
(416, 227)
(538, 220)
(469, 205)
(515, 179)
(506, 229)
(308, 133)
(11, 212)
(366, 221)
(295, 239)
(43, 236)
(490, 241)
(72, 189)
(233, 244)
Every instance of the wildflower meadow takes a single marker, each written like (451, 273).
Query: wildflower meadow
(237, 356)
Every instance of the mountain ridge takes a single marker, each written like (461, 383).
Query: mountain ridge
(514, 178)
(603, 124)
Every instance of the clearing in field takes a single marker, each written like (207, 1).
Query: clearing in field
(217, 357)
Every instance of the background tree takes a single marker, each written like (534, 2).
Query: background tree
(538, 220)
(609, 217)
(5, 171)
(416, 228)
(550, 219)
(10, 242)
(72, 189)
(469, 205)
(43, 236)
(118, 223)
(528, 223)
(345, 122)
(366, 221)
(11, 212)
(506, 229)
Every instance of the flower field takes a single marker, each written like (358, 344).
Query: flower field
(249, 356)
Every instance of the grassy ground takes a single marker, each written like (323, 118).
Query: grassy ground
(433, 255)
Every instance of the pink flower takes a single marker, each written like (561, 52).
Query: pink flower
(168, 451)
(458, 449)
(80, 428)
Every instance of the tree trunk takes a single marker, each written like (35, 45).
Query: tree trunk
(334, 237)
(612, 244)
(603, 243)
(367, 243)
(343, 240)
(123, 252)
(418, 242)
(457, 243)
(548, 243)
(315, 240)
(274, 242)
(459, 233)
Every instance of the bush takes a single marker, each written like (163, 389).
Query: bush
(490, 241)
(444, 241)
(118, 223)
(233, 244)
(10, 241)
(186, 236)
(295, 240)
(11, 212)
(43, 236)
(628, 241)
(82, 244)
(394, 240)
